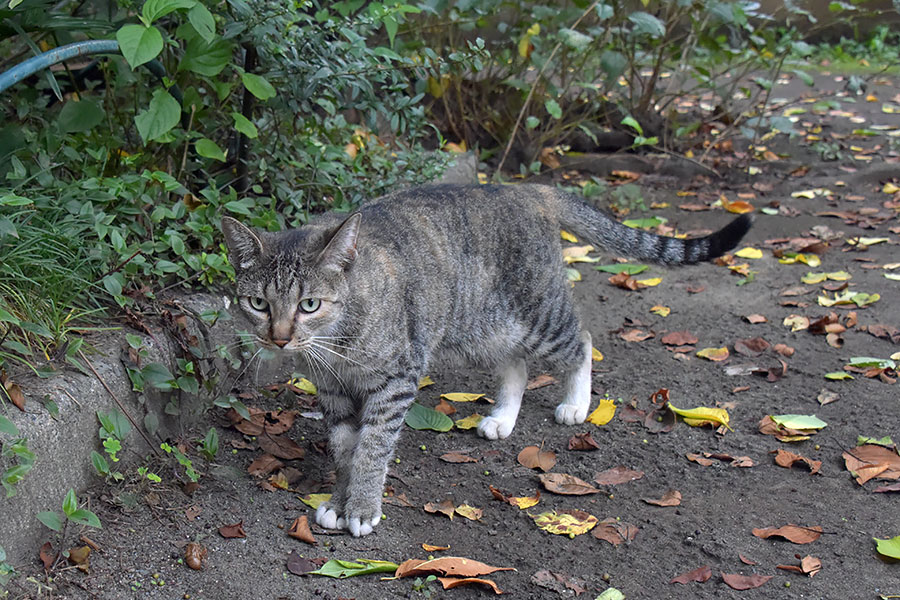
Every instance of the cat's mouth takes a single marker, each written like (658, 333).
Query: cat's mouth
(288, 346)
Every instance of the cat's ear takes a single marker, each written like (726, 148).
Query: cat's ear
(341, 249)
(244, 246)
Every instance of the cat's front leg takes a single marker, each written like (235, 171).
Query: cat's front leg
(380, 425)
(342, 437)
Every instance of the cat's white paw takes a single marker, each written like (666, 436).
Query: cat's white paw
(327, 517)
(494, 428)
(359, 528)
(571, 414)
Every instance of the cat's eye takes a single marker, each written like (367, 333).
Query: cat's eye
(309, 305)
(259, 304)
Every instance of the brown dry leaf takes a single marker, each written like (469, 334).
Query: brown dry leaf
(752, 347)
(670, 498)
(445, 507)
(48, 556)
(635, 335)
(445, 407)
(872, 460)
(542, 380)
(615, 532)
(746, 560)
(81, 558)
(398, 500)
(300, 530)
(569, 485)
(784, 434)
(458, 457)
(583, 441)
(469, 512)
(809, 565)
(617, 475)
(624, 281)
(15, 394)
(679, 338)
(452, 582)
(299, 565)
(520, 502)
(535, 458)
(233, 531)
(453, 566)
(700, 575)
(786, 459)
(278, 481)
(738, 206)
(894, 487)
(195, 556)
(559, 582)
(433, 548)
(264, 465)
(744, 582)
(756, 318)
(783, 349)
(660, 420)
(281, 447)
(706, 459)
(792, 533)
(273, 422)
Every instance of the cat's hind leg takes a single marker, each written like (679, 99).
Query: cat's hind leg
(574, 407)
(513, 378)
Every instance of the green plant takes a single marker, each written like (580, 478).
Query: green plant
(183, 460)
(421, 586)
(6, 570)
(71, 512)
(15, 450)
(209, 445)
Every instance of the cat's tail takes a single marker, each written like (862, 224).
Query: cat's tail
(598, 227)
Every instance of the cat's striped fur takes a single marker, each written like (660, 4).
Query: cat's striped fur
(467, 272)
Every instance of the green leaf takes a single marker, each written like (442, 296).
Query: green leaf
(532, 122)
(885, 441)
(139, 43)
(78, 116)
(113, 284)
(157, 9)
(161, 116)
(646, 23)
(575, 39)
(258, 86)
(889, 548)
(70, 503)
(203, 22)
(423, 417)
(245, 125)
(100, 464)
(51, 520)
(341, 569)
(206, 58)
(553, 108)
(8, 427)
(622, 268)
(209, 149)
(82, 516)
(645, 223)
(158, 376)
(838, 375)
(630, 121)
(868, 361)
(799, 421)
(613, 64)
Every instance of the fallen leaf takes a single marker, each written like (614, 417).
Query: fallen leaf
(445, 507)
(751, 253)
(559, 583)
(314, 500)
(809, 565)
(469, 512)
(786, 459)
(700, 575)
(670, 498)
(706, 459)
(569, 522)
(540, 381)
(894, 487)
(453, 566)
(679, 338)
(752, 347)
(300, 530)
(80, 557)
(452, 582)
(614, 531)
(783, 349)
(617, 475)
(604, 412)
(281, 447)
(457, 457)
(870, 461)
(340, 569)
(713, 354)
(827, 397)
(195, 556)
(520, 502)
(756, 318)
(799, 422)
(660, 310)
(702, 415)
(469, 422)
(744, 582)
(433, 548)
(792, 533)
(233, 531)
(298, 565)
(889, 548)
(569, 485)
(461, 397)
(47, 555)
(582, 442)
(635, 335)
(16, 396)
(445, 407)
(274, 422)
(426, 381)
(565, 235)
(596, 355)
(533, 457)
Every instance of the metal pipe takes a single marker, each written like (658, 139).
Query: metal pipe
(51, 57)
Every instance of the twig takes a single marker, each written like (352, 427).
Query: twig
(690, 160)
(72, 398)
(512, 135)
(125, 412)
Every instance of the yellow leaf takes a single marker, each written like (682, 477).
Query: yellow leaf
(808, 259)
(752, 170)
(574, 254)
(469, 422)
(596, 355)
(461, 397)
(796, 322)
(573, 275)
(535, 29)
(482, 178)
(604, 412)
(890, 188)
(568, 236)
(661, 310)
(523, 502)
(895, 356)
(702, 415)
(867, 241)
(713, 354)
(814, 278)
(304, 385)
(571, 523)
(314, 500)
(810, 194)
(433, 548)
(459, 148)
(749, 253)
(469, 512)
(652, 282)
(425, 382)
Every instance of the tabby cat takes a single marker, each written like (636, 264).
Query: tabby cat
(474, 273)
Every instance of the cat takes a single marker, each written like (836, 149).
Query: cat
(475, 273)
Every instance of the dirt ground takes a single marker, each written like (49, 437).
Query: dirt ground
(140, 547)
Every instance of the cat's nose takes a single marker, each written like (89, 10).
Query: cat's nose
(281, 343)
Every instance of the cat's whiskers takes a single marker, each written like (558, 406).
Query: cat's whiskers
(344, 357)
(320, 361)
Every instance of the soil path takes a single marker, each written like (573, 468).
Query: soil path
(146, 528)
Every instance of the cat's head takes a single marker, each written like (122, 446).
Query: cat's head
(292, 285)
